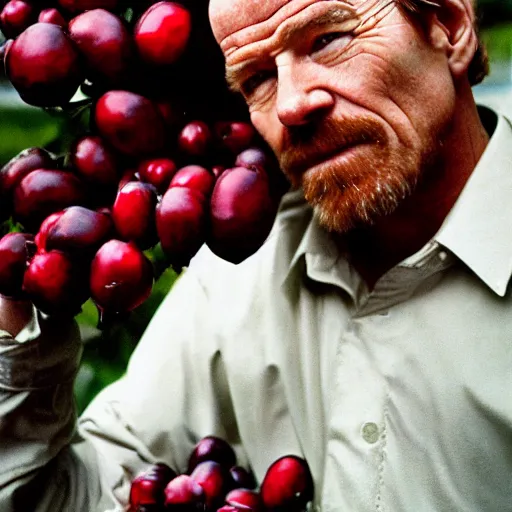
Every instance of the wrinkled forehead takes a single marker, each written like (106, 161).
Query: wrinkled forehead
(230, 18)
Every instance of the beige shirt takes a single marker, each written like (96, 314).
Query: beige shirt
(400, 399)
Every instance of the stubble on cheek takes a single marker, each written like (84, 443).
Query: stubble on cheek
(360, 192)
(348, 191)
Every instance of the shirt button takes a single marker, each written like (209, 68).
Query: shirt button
(370, 432)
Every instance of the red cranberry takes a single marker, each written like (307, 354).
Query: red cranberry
(195, 177)
(46, 225)
(133, 213)
(13, 262)
(76, 6)
(52, 15)
(148, 487)
(15, 17)
(253, 158)
(242, 212)
(30, 65)
(195, 138)
(212, 448)
(234, 135)
(45, 191)
(246, 499)
(242, 478)
(181, 220)
(16, 169)
(215, 481)
(158, 172)
(183, 494)
(287, 485)
(104, 41)
(56, 284)
(162, 33)
(79, 230)
(95, 161)
(130, 122)
(121, 277)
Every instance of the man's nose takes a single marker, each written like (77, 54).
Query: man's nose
(300, 99)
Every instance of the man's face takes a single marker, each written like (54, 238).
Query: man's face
(349, 94)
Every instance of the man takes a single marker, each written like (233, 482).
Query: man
(371, 334)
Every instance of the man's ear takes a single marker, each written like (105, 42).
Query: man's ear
(452, 26)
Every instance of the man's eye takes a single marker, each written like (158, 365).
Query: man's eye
(322, 41)
(250, 85)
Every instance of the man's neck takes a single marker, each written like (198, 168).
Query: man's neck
(376, 249)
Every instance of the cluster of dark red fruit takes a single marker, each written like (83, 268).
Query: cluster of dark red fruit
(161, 162)
(214, 482)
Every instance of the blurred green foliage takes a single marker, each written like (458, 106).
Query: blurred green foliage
(107, 351)
(21, 128)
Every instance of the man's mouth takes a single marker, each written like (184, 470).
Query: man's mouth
(301, 166)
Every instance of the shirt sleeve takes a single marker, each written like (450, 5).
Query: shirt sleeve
(38, 470)
(174, 392)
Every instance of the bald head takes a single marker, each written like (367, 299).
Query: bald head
(229, 17)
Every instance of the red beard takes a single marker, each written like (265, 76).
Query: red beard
(367, 185)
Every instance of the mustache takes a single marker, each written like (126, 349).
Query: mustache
(308, 145)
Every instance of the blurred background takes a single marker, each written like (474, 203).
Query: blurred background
(107, 352)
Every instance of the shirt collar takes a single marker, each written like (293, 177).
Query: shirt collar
(478, 228)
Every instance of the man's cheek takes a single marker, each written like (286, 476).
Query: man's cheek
(269, 128)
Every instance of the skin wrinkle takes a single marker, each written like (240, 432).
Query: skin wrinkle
(240, 61)
(285, 34)
(349, 19)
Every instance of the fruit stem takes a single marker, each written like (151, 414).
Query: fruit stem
(108, 319)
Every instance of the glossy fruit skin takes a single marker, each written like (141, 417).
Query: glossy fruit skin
(242, 213)
(235, 136)
(133, 213)
(44, 65)
(287, 485)
(184, 494)
(45, 191)
(162, 32)
(195, 138)
(121, 277)
(242, 478)
(44, 228)
(94, 161)
(15, 17)
(79, 231)
(52, 15)
(158, 172)
(148, 487)
(104, 41)
(181, 222)
(212, 448)
(245, 498)
(56, 283)
(14, 257)
(16, 169)
(195, 177)
(130, 122)
(252, 158)
(215, 480)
